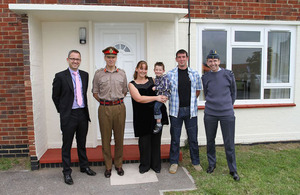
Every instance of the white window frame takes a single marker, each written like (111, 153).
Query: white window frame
(263, 44)
(246, 28)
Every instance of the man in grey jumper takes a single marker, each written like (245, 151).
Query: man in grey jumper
(220, 93)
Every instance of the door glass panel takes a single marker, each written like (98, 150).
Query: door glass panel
(123, 47)
(246, 65)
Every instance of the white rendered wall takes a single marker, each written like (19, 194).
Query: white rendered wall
(58, 39)
(252, 125)
(37, 84)
(161, 47)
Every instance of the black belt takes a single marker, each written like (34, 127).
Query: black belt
(111, 103)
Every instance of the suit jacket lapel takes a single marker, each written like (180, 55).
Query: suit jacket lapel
(83, 80)
(69, 79)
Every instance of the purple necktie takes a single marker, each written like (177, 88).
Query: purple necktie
(78, 89)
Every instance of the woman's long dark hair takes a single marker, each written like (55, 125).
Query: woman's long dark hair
(139, 64)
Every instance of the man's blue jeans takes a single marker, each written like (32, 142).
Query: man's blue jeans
(191, 126)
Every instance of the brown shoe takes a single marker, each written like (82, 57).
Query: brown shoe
(120, 171)
(107, 173)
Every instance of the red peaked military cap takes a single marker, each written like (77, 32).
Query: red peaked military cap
(110, 51)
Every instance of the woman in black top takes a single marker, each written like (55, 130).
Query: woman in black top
(143, 98)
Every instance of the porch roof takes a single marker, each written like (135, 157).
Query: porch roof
(98, 13)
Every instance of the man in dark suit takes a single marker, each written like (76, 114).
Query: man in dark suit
(69, 96)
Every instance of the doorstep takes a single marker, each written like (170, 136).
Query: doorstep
(52, 157)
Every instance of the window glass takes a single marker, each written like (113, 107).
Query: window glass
(278, 66)
(246, 65)
(214, 40)
(123, 47)
(247, 36)
(277, 93)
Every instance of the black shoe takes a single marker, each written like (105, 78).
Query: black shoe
(107, 173)
(235, 176)
(143, 171)
(87, 171)
(210, 169)
(68, 179)
(120, 171)
(156, 171)
(157, 129)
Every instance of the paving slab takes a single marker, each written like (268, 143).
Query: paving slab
(50, 181)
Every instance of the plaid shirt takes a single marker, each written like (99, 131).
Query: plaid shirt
(162, 85)
(174, 99)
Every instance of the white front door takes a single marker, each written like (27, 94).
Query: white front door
(129, 40)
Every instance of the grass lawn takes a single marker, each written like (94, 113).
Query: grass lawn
(263, 169)
(14, 164)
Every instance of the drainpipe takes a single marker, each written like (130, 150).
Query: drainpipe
(189, 33)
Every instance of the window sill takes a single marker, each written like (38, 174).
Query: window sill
(257, 106)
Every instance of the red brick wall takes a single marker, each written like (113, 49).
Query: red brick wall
(16, 115)
(247, 9)
(13, 116)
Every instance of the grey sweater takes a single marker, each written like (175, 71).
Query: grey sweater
(220, 92)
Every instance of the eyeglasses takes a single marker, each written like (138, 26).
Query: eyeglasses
(75, 59)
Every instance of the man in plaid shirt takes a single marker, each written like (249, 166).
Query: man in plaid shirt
(185, 85)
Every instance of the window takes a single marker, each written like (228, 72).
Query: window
(261, 57)
(122, 47)
(247, 36)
